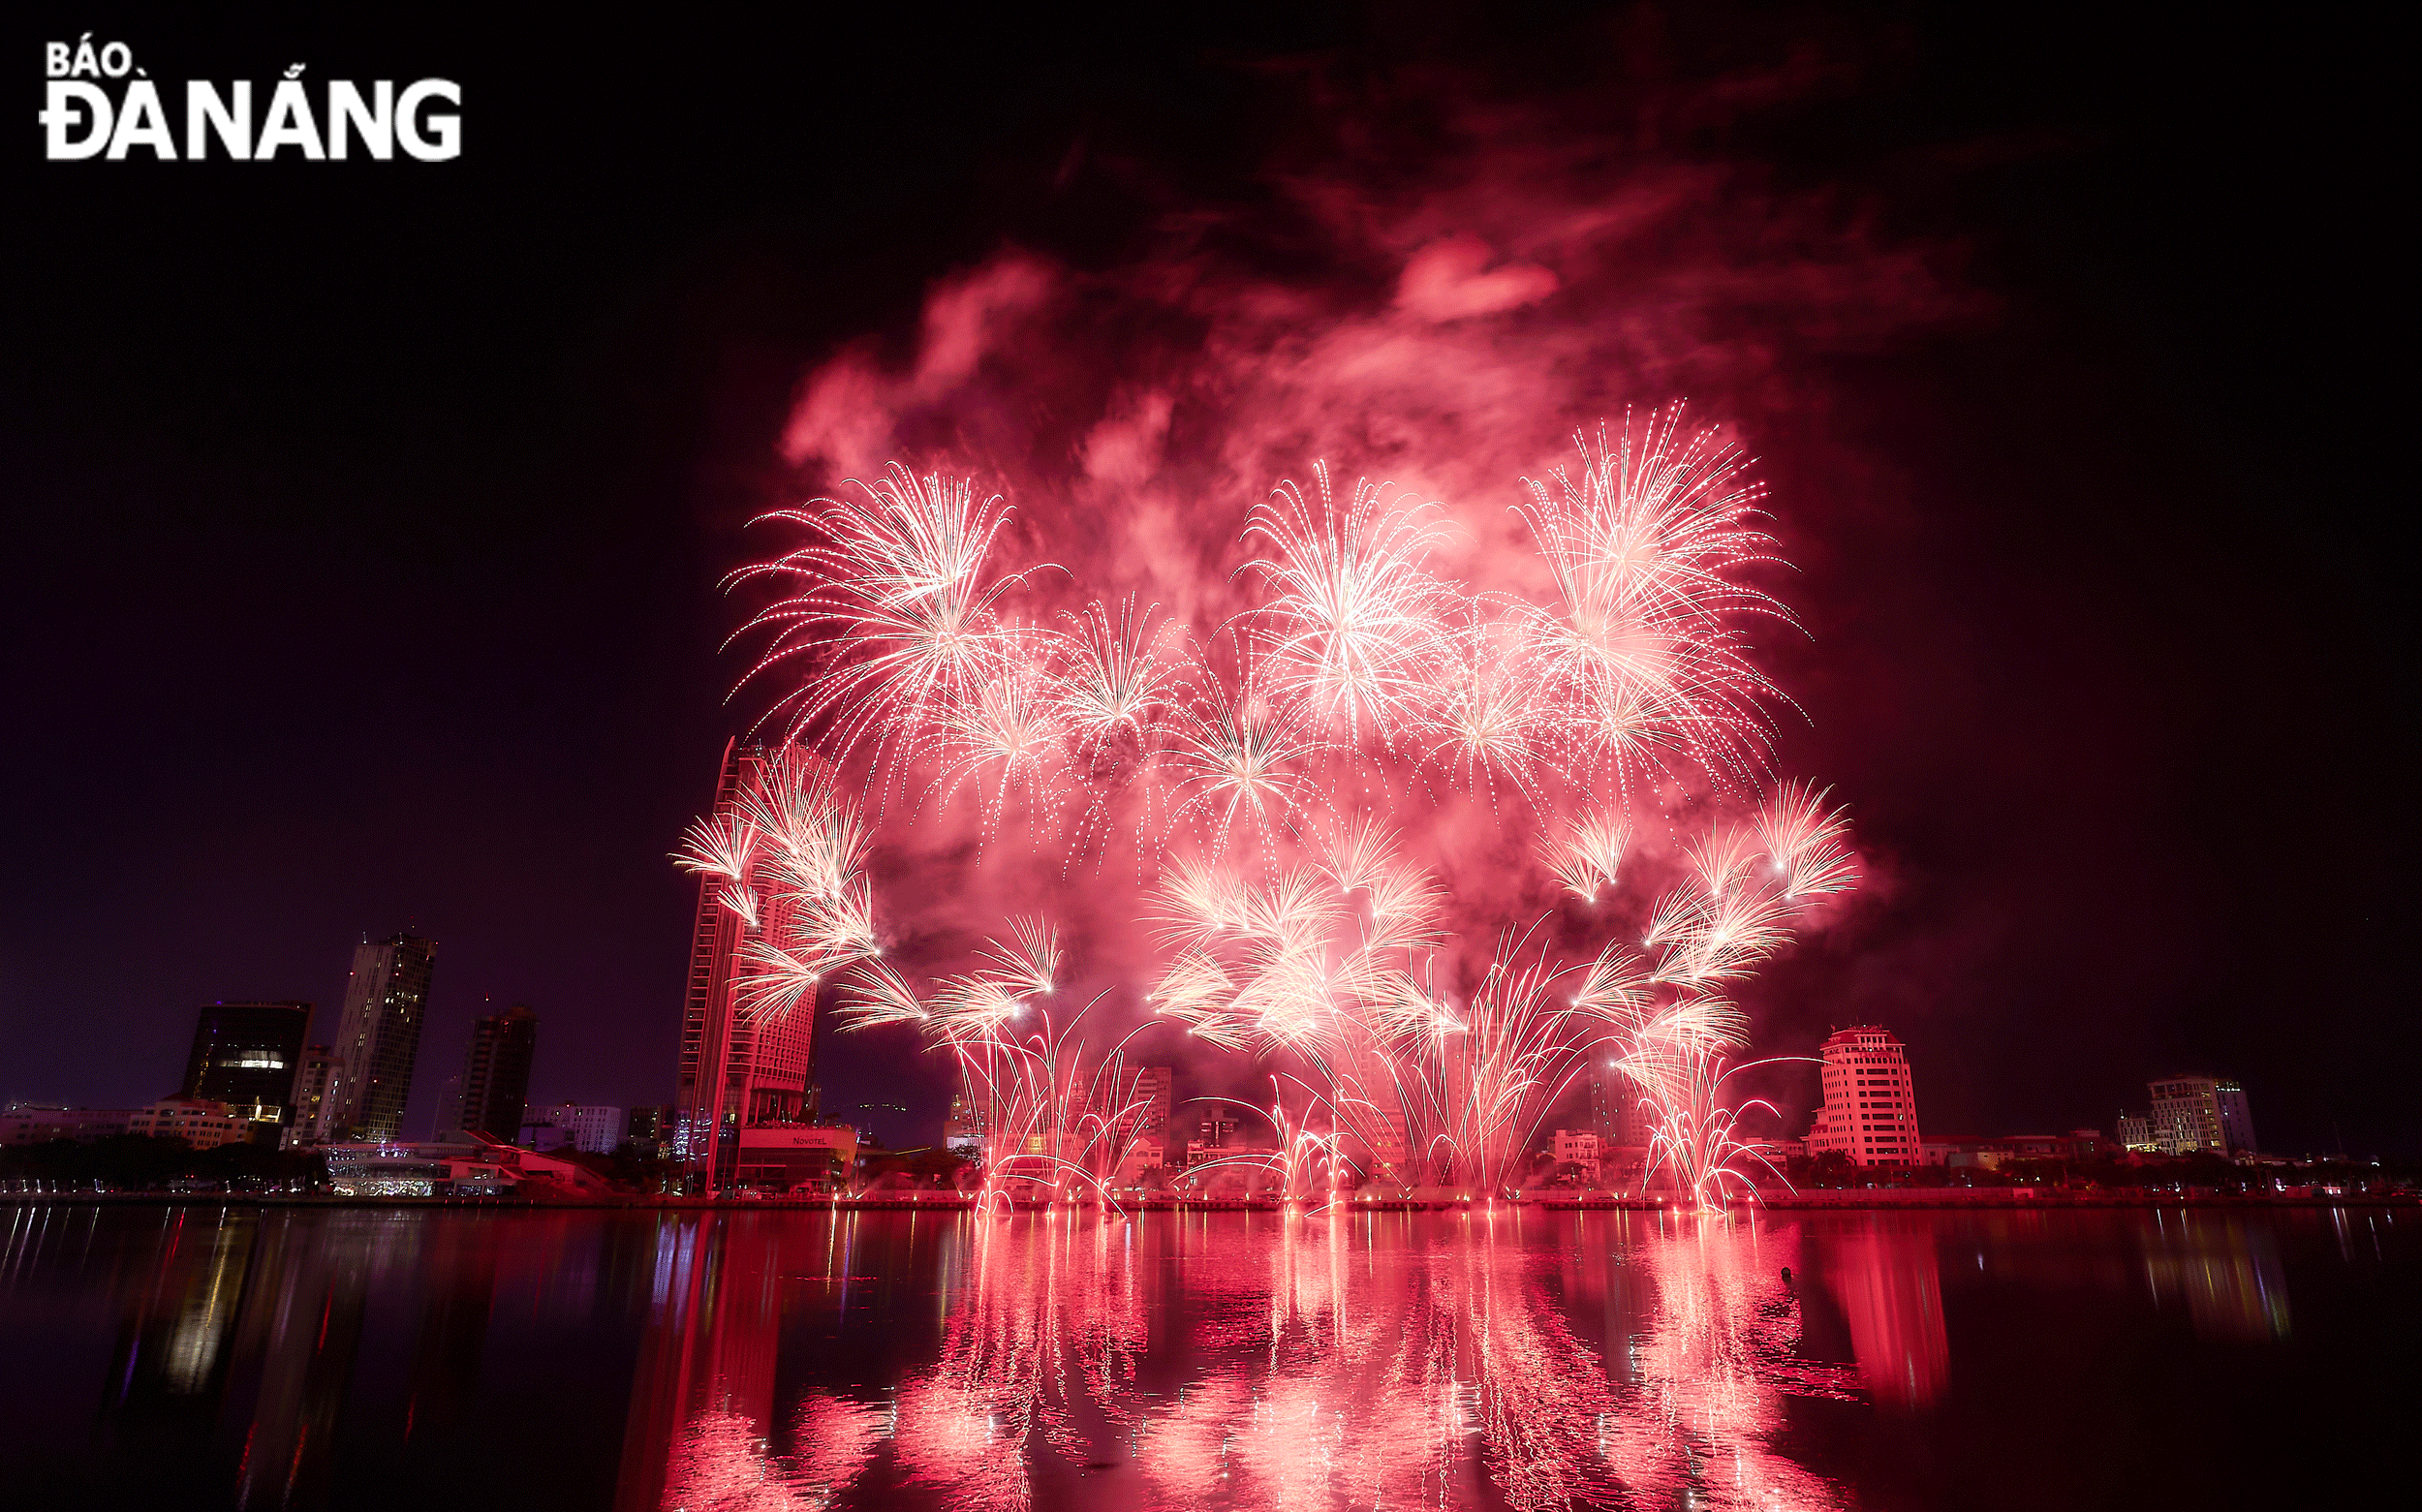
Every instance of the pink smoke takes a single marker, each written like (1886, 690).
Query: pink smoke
(1443, 314)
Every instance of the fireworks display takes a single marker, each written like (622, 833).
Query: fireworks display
(1279, 777)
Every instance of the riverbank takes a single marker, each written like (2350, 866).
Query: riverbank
(1864, 1200)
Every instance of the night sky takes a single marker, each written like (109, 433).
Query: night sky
(366, 520)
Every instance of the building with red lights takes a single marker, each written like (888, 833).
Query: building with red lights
(737, 1071)
(1870, 1113)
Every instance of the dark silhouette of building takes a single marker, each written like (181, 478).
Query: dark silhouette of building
(650, 1131)
(248, 1054)
(378, 1038)
(496, 1073)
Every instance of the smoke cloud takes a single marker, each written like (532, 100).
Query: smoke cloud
(1434, 290)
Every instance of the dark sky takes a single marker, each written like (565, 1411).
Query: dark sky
(365, 520)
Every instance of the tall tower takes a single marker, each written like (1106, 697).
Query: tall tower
(1871, 1103)
(378, 1037)
(496, 1073)
(249, 1054)
(737, 1071)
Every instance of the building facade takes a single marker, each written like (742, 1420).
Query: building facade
(2200, 1115)
(29, 1125)
(496, 1073)
(248, 1054)
(377, 1039)
(650, 1131)
(1870, 1112)
(737, 1069)
(201, 1124)
(596, 1130)
(311, 1093)
(1153, 1087)
(1582, 1148)
(964, 1129)
(783, 1157)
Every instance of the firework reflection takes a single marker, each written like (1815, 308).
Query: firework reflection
(1501, 1357)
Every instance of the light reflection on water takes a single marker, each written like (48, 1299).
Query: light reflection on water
(768, 1360)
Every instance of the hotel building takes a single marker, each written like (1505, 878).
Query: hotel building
(1870, 1113)
(2200, 1115)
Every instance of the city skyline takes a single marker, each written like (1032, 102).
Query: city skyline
(1868, 1125)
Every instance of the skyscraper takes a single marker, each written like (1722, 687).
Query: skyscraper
(1615, 1115)
(1871, 1103)
(248, 1054)
(378, 1037)
(496, 1072)
(737, 1071)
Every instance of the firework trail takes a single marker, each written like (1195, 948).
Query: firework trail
(1263, 771)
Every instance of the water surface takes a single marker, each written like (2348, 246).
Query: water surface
(202, 1357)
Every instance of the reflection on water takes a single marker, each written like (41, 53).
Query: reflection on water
(713, 1362)
(1281, 1362)
(1890, 1290)
(2225, 1266)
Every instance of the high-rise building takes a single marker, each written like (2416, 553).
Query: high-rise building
(1615, 1115)
(1871, 1103)
(496, 1072)
(378, 1038)
(248, 1054)
(311, 1093)
(737, 1069)
(1151, 1102)
(2201, 1114)
(2135, 1131)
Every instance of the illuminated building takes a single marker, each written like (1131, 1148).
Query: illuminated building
(496, 1072)
(1870, 1113)
(780, 1157)
(2200, 1115)
(964, 1129)
(311, 1093)
(470, 1165)
(248, 1052)
(2135, 1133)
(378, 1038)
(1582, 1148)
(203, 1124)
(737, 1071)
(1151, 1120)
